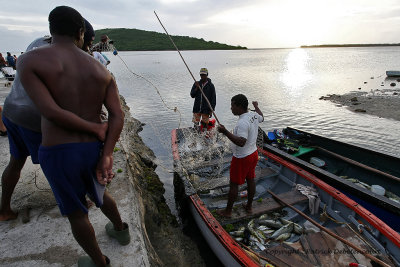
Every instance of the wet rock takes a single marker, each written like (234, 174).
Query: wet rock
(393, 84)
(360, 110)
(395, 93)
(356, 103)
(354, 99)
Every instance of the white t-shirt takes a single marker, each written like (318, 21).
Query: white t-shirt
(100, 58)
(247, 127)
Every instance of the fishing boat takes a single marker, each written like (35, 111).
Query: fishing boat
(369, 177)
(393, 73)
(280, 231)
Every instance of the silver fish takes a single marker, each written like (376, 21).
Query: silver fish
(260, 246)
(239, 239)
(237, 233)
(263, 217)
(288, 228)
(271, 223)
(283, 237)
(250, 224)
(262, 228)
(297, 228)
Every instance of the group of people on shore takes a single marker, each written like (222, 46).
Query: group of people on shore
(9, 61)
(53, 114)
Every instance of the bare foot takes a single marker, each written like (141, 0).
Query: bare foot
(224, 213)
(8, 215)
(248, 209)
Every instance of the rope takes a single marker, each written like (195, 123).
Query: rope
(175, 109)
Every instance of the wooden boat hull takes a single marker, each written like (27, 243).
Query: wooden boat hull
(384, 208)
(231, 253)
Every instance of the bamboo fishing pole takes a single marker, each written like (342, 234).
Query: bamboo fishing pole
(201, 90)
(371, 257)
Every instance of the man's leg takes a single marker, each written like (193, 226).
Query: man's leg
(232, 195)
(251, 190)
(84, 234)
(9, 180)
(109, 208)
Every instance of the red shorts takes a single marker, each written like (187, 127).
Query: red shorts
(243, 168)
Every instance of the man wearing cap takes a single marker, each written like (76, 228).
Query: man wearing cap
(201, 109)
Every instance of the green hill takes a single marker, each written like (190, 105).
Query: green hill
(140, 40)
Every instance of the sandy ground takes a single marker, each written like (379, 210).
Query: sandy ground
(384, 103)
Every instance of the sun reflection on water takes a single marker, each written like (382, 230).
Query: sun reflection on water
(296, 75)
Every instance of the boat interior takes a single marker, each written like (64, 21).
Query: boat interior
(209, 179)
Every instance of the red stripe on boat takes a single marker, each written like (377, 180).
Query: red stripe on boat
(219, 232)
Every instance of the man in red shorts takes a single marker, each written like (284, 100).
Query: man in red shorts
(245, 155)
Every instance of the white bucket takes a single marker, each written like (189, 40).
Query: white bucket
(317, 162)
(377, 189)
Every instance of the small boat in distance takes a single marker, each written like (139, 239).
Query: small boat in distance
(289, 202)
(393, 73)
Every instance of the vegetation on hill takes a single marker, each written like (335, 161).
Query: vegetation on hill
(140, 40)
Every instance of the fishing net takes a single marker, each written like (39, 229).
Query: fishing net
(204, 155)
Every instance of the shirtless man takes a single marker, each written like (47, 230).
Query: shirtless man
(24, 135)
(75, 162)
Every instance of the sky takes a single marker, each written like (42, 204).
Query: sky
(254, 24)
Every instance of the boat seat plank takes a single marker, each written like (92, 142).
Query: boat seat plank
(264, 206)
(279, 256)
(224, 181)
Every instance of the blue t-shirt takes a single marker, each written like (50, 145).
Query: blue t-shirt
(11, 61)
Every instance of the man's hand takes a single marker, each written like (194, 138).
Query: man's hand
(101, 131)
(221, 128)
(255, 104)
(104, 171)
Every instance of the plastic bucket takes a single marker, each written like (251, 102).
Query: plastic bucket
(377, 189)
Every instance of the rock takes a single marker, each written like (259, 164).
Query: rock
(393, 84)
(360, 110)
(354, 99)
(395, 93)
(359, 88)
(365, 82)
(356, 103)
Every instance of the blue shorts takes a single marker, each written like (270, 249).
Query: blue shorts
(23, 142)
(71, 171)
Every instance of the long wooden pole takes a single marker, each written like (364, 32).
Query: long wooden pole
(201, 90)
(382, 263)
(356, 163)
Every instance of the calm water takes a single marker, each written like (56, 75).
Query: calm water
(287, 83)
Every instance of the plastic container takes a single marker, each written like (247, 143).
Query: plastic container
(317, 162)
(377, 189)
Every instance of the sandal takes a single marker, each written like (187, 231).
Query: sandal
(122, 236)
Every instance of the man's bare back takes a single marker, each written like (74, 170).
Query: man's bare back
(76, 82)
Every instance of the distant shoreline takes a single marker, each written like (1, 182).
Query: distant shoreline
(347, 45)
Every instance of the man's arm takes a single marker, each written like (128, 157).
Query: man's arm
(237, 140)
(195, 87)
(115, 124)
(48, 108)
(255, 104)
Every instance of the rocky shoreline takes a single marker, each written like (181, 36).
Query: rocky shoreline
(383, 103)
